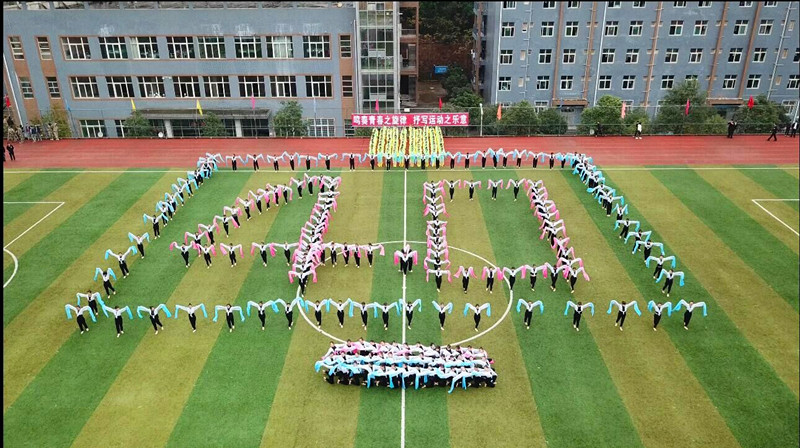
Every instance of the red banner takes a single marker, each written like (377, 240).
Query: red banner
(396, 120)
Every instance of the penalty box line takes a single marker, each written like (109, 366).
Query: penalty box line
(5, 248)
(756, 201)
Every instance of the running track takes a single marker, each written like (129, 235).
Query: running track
(607, 151)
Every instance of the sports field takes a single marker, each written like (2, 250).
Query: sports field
(731, 380)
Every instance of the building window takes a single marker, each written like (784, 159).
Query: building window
(252, 86)
(676, 28)
(700, 27)
(671, 56)
(509, 5)
(319, 86)
(345, 46)
(524, 27)
(16, 47)
(283, 86)
(507, 29)
(753, 81)
(678, 4)
(248, 47)
(144, 47)
(119, 86)
(604, 82)
(548, 5)
(52, 87)
(635, 28)
(740, 28)
(745, 4)
(217, 86)
(667, 82)
(76, 48)
(628, 82)
(84, 87)
(632, 56)
(797, 54)
(612, 28)
(735, 55)
(521, 82)
(506, 57)
(44, 47)
(180, 47)
(504, 83)
(765, 27)
(279, 47)
(113, 48)
(186, 86)
(541, 106)
(119, 126)
(704, 4)
(26, 88)
(349, 129)
(759, 55)
(316, 47)
(93, 128)
(639, 4)
(321, 127)
(573, 5)
(695, 55)
(691, 78)
(770, 4)
(569, 56)
(347, 86)
(151, 86)
(212, 47)
(566, 83)
(729, 82)
(543, 82)
(614, 4)
(522, 55)
(545, 56)
(571, 29)
(547, 29)
(607, 57)
(794, 82)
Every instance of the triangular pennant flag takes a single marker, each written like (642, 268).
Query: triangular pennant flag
(133, 105)
(199, 109)
(499, 111)
(377, 109)
(686, 112)
(253, 102)
(751, 102)
(622, 114)
(440, 103)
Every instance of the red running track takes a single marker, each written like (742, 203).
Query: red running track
(607, 151)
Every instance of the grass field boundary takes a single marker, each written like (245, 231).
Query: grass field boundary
(403, 312)
(5, 248)
(756, 201)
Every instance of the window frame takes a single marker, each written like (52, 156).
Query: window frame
(179, 84)
(667, 82)
(49, 50)
(248, 47)
(567, 79)
(626, 79)
(547, 53)
(543, 82)
(252, 86)
(671, 55)
(113, 48)
(67, 47)
(568, 56)
(81, 85)
(284, 43)
(279, 86)
(53, 87)
(211, 47)
(216, 86)
(507, 29)
(503, 81)
(176, 46)
(676, 28)
(137, 45)
(632, 52)
(609, 26)
(120, 86)
(729, 82)
(604, 82)
(146, 86)
(322, 84)
(17, 52)
(313, 47)
(506, 57)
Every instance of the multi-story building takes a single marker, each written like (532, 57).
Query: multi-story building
(240, 60)
(568, 54)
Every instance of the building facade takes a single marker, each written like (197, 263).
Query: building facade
(240, 60)
(568, 54)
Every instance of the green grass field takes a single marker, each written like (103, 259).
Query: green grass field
(731, 380)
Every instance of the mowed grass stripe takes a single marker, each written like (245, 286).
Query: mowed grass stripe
(80, 373)
(740, 189)
(577, 401)
(243, 367)
(769, 258)
(744, 384)
(782, 184)
(12, 179)
(34, 188)
(794, 172)
(379, 408)
(305, 407)
(644, 364)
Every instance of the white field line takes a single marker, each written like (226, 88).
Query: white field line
(755, 201)
(403, 312)
(5, 248)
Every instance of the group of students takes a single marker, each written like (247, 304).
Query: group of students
(400, 365)
(657, 308)
(437, 256)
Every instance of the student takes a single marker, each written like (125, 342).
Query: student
(477, 312)
(154, 319)
(190, 310)
(443, 310)
(10, 149)
(577, 313)
(233, 162)
(637, 135)
(106, 276)
(773, 134)
(117, 312)
(79, 315)
(657, 309)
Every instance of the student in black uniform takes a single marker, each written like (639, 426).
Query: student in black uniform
(483, 160)
(385, 318)
(155, 320)
(255, 162)
(364, 315)
(229, 318)
(466, 162)
(576, 317)
(233, 163)
(621, 313)
(318, 314)
(625, 228)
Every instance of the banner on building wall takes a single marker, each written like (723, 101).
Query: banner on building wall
(437, 119)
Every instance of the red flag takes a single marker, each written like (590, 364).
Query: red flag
(623, 111)
(377, 109)
(750, 102)
(8, 102)
(253, 101)
(499, 112)
(686, 112)
(440, 103)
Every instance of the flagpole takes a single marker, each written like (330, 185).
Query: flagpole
(481, 104)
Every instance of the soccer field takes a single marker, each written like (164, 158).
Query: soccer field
(731, 380)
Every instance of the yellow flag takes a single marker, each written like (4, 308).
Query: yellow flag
(199, 109)
(133, 105)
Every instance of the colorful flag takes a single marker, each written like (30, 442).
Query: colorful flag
(499, 111)
(8, 102)
(199, 109)
(440, 103)
(686, 112)
(133, 105)
(751, 102)
(623, 111)
(377, 109)
(253, 102)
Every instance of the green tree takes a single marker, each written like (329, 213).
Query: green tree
(607, 112)
(138, 126)
(363, 132)
(213, 126)
(466, 100)
(446, 22)
(761, 117)
(632, 117)
(519, 119)
(672, 116)
(58, 115)
(289, 122)
(456, 82)
(551, 122)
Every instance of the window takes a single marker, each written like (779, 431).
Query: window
(180, 47)
(667, 82)
(569, 56)
(571, 29)
(704, 4)
(507, 30)
(797, 54)
(212, 47)
(113, 48)
(604, 82)
(729, 82)
(700, 27)
(316, 47)
(524, 27)
(44, 47)
(676, 28)
(16, 48)
(540, 106)
(349, 130)
(794, 82)
(144, 47)
(186, 86)
(52, 87)
(504, 83)
(635, 28)
(522, 55)
(521, 82)
(607, 57)
(252, 86)
(770, 4)
(119, 126)
(26, 88)
(345, 46)
(628, 82)
(765, 27)
(545, 56)
(119, 86)
(612, 28)
(283, 86)
(740, 28)
(678, 4)
(92, 128)
(347, 86)
(321, 127)
(279, 47)
(671, 56)
(543, 82)
(573, 5)
(566, 83)
(639, 4)
(217, 86)
(75, 48)
(506, 57)
(248, 47)
(745, 4)
(632, 56)
(759, 55)
(509, 5)
(548, 5)
(695, 55)
(319, 86)
(753, 81)
(84, 87)
(151, 86)
(692, 78)
(735, 55)
(614, 4)
(547, 29)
